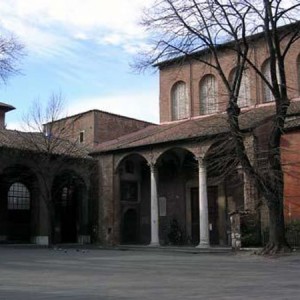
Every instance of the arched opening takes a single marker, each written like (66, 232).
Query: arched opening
(71, 208)
(177, 175)
(134, 200)
(18, 189)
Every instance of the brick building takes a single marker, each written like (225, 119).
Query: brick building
(158, 184)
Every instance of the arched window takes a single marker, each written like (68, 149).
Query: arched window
(298, 73)
(267, 93)
(180, 101)
(18, 197)
(244, 92)
(208, 95)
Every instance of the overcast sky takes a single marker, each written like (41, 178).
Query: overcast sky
(83, 49)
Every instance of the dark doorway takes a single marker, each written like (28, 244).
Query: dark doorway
(66, 216)
(212, 194)
(130, 227)
(195, 215)
(19, 211)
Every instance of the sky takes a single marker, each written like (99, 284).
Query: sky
(82, 49)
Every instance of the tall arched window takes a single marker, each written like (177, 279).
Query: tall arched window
(244, 92)
(267, 93)
(18, 197)
(208, 95)
(298, 73)
(180, 101)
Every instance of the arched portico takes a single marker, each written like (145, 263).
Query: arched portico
(178, 196)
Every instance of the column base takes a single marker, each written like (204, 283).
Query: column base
(203, 246)
(84, 239)
(41, 240)
(154, 244)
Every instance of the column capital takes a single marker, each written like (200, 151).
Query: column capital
(152, 166)
(201, 161)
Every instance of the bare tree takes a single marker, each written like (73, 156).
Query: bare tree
(11, 50)
(48, 137)
(197, 30)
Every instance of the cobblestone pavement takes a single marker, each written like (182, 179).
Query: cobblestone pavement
(109, 274)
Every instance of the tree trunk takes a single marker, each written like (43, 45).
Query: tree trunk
(277, 241)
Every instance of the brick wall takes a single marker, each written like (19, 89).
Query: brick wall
(96, 127)
(192, 72)
(110, 126)
(290, 145)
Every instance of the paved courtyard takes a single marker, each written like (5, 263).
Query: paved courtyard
(109, 274)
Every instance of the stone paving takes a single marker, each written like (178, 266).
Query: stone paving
(32, 273)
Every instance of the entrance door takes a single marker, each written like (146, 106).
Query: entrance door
(66, 215)
(212, 194)
(68, 223)
(130, 226)
(19, 211)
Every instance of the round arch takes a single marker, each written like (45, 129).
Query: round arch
(128, 156)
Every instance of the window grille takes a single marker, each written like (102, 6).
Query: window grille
(18, 197)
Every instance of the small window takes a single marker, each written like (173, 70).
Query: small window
(81, 137)
(18, 197)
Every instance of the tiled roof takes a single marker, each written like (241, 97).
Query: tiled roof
(293, 26)
(38, 142)
(197, 127)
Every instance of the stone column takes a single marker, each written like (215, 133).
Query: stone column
(203, 206)
(154, 207)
